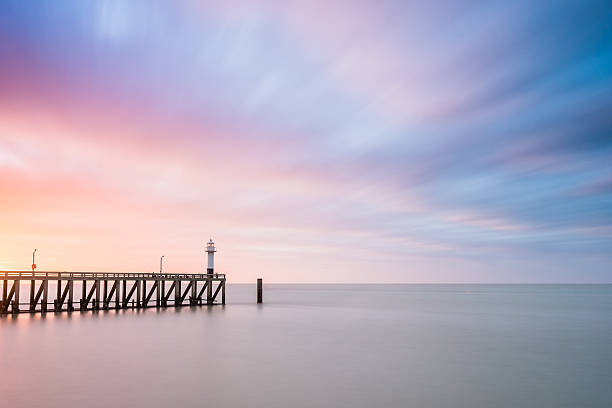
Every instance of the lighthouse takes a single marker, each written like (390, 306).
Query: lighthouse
(210, 250)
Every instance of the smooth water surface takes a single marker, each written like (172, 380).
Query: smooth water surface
(323, 345)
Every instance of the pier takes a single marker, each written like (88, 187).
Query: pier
(108, 290)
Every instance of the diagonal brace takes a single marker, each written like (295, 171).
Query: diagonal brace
(202, 291)
(110, 295)
(37, 297)
(9, 298)
(216, 292)
(148, 297)
(129, 295)
(187, 289)
(165, 297)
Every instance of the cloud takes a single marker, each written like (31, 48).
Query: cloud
(466, 133)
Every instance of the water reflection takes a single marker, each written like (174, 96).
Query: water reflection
(356, 345)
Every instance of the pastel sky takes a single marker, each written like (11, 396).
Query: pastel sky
(315, 141)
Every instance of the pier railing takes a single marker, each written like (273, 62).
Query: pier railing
(106, 275)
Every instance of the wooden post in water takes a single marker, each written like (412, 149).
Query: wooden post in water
(158, 297)
(97, 305)
(70, 295)
(32, 287)
(163, 293)
(177, 293)
(16, 301)
(4, 290)
(138, 293)
(45, 296)
(105, 294)
(209, 293)
(223, 293)
(144, 292)
(4, 294)
(83, 294)
(117, 298)
(259, 290)
(194, 292)
(124, 294)
(32, 296)
(58, 296)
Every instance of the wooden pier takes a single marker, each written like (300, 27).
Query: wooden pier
(108, 290)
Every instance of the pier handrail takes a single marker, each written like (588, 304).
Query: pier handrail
(67, 274)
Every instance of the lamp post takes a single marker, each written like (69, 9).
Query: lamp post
(33, 260)
(161, 260)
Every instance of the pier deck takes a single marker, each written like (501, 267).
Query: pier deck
(108, 290)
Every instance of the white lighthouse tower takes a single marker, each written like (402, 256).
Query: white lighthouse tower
(210, 250)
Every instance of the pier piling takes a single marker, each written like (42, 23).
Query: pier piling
(259, 290)
(16, 287)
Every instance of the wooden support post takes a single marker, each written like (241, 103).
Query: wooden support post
(45, 296)
(177, 293)
(84, 298)
(4, 290)
(138, 293)
(223, 292)
(32, 287)
(194, 287)
(16, 301)
(59, 302)
(97, 305)
(144, 293)
(209, 299)
(32, 296)
(4, 293)
(37, 297)
(145, 301)
(117, 295)
(124, 299)
(259, 290)
(163, 293)
(56, 303)
(105, 292)
(84, 295)
(70, 295)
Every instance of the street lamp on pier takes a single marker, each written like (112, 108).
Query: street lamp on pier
(33, 260)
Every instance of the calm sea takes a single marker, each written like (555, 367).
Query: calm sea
(323, 346)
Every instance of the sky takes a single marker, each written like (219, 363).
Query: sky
(314, 141)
